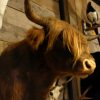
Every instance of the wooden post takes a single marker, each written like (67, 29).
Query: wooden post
(3, 4)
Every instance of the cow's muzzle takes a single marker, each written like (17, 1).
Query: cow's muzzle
(84, 67)
(89, 66)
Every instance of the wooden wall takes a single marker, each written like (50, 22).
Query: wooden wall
(15, 23)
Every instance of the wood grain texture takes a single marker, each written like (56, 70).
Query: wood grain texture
(43, 6)
(72, 13)
(50, 4)
(15, 23)
(78, 4)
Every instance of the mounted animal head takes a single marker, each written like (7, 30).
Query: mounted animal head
(66, 49)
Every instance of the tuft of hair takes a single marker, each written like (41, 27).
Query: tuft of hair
(35, 37)
(74, 40)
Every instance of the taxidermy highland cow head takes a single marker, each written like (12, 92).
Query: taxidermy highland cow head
(30, 67)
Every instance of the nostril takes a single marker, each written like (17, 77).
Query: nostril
(51, 93)
(88, 66)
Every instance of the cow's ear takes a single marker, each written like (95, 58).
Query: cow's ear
(35, 37)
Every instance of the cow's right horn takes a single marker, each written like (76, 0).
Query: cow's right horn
(33, 16)
(92, 37)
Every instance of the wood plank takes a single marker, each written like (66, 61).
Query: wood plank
(72, 13)
(16, 23)
(17, 18)
(84, 5)
(14, 26)
(78, 4)
(42, 11)
(19, 5)
(10, 33)
(49, 4)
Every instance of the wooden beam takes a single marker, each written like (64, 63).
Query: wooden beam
(78, 4)
(72, 13)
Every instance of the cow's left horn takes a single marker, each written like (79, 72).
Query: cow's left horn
(33, 16)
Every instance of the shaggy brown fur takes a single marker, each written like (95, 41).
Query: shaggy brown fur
(72, 38)
(29, 67)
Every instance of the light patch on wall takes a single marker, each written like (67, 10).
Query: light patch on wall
(3, 4)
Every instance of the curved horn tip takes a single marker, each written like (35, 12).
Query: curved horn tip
(31, 15)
